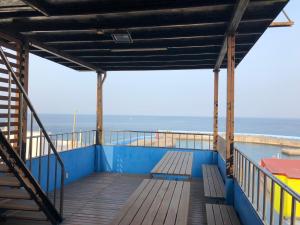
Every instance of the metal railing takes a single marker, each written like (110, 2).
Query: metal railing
(62, 141)
(274, 201)
(54, 176)
(160, 139)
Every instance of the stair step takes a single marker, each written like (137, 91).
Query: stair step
(23, 205)
(9, 181)
(25, 215)
(14, 193)
(4, 168)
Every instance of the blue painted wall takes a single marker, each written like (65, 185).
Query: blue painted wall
(236, 197)
(78, 163)
(243, 207)
(141, 160)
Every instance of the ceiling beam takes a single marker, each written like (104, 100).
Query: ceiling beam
(37, 5)
(238, 13)
(63, 55)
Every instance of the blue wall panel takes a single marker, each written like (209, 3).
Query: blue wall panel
(244, 208)
(78, 163)
(141, 160)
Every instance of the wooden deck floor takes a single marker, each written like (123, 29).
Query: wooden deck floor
(98, 198)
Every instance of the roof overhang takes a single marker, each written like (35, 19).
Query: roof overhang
(169, 34)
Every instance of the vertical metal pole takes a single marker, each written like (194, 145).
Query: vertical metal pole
(100, 81)
(230, 105)
(216, 107)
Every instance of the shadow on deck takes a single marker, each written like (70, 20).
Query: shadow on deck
(98, 198)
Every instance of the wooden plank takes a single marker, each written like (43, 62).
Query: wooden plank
(221, 215)
(163, 162)
(5, 115)
(205, 181)
(160, 163)
(225, 216)
(173, 209)
(156, 204)
(217, 214)
(6, 107)
(138, 219)
(5, 98)
(174, 163)
(137, 204)
(5, 71)
(189, 165)
(5, 124)
(210, 215)
(183, 209)
(163, 209)
(179, 164)
(130, 201)
(168, 164)
(213, 182)
(218, 181)
(184, 164)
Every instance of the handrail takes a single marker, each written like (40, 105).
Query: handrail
(161, 139)
(266, 192)
(37, 119)
(271, 176)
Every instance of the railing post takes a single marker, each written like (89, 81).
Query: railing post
(216, 107)
(230, 104)
(99, 132)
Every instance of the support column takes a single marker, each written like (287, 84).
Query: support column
(230, 105)
(216, 107)
(100, 81)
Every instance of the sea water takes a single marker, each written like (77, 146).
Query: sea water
(58, 123)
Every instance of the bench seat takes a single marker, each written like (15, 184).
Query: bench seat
(156, 202)
(221, 215)
(213, 183)
(174, 163)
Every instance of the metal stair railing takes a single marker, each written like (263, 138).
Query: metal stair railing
(51, 180)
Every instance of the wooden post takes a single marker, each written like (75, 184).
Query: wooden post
(100, 81)
(23, 61)
(216, 107)
(230, 104)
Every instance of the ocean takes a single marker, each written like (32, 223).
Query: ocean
(284, 127)
(58, 123)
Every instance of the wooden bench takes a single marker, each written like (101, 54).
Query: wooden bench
(221, 215)
(213, 182)
(174, 164)
(156, 202)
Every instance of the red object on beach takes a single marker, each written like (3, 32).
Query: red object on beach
(287, 167)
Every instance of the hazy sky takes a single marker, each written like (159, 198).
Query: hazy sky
(267, 84)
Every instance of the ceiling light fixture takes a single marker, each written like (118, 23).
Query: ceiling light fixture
(122, 37)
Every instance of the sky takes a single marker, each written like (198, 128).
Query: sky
(267, 84)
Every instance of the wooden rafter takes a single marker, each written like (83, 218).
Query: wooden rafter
(238, 13)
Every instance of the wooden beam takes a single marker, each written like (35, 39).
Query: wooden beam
(63, 55)
(101, 76)
(216, 108)
(230, 104)
(24, 77)
(36, 5)
(236, 18)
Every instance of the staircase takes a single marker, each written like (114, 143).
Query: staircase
(31, 170)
